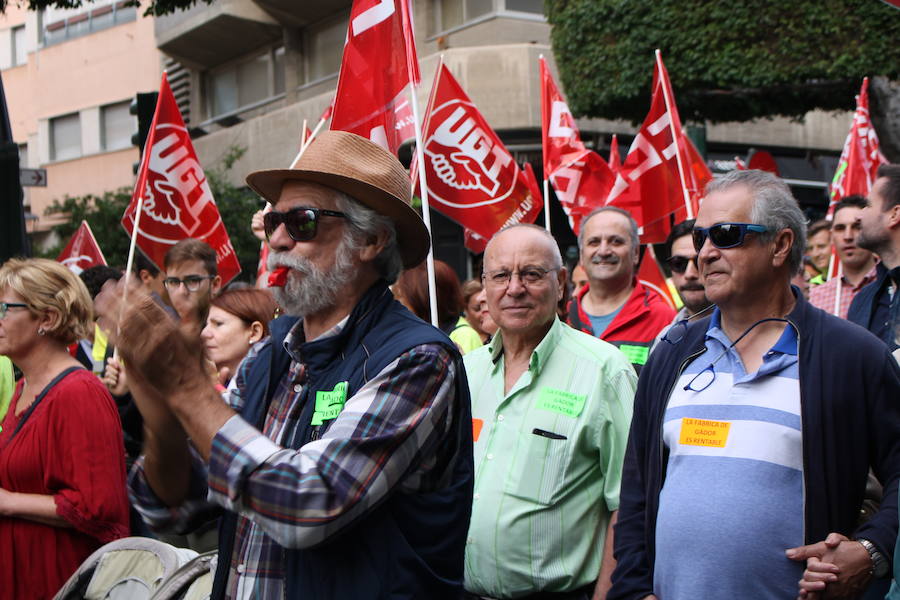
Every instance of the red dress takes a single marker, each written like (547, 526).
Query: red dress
(70, 447)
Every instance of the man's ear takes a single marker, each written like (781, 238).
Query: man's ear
(894, 216)
(781, 250)
(215, 285)
(374, 245)
(561, 276)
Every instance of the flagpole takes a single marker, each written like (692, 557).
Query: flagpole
(684, 188)
(423, 189)
(547, 204)
(305, 145)
(543, 148)
(837, 294)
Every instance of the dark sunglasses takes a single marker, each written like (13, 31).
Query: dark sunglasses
(724, 235)
(301, 223)
(679, 264)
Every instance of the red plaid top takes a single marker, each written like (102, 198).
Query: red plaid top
(823, 296)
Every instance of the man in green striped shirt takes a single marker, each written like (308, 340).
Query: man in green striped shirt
(551, 409)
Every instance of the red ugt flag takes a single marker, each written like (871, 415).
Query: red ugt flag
(581, 178)
(472, 177)
(82, 251)
(177, 201)
(861, 155)
(379, 61)
(649, 184)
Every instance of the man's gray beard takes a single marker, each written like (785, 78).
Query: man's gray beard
(316, 289)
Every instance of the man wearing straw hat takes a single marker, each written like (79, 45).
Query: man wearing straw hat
(344, 463)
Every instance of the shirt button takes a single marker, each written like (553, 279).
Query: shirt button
(490, 457)
(241, 568)
(476, 496)
(470, 540)
(298, 388)
(500, 417)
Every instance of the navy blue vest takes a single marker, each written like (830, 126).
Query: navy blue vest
(411, 545)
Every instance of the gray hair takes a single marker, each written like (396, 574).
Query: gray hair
(773, 207)
(364, 223)
(555, 254)
(633, 226)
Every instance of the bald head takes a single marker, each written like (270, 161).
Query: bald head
(534, 235)
(523, 280)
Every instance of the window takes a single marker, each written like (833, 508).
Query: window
(529, 6)
(453, 13)
(324, 48)
(61, 24)
(246, 83)
(450, 14)
(116, 126)
(18, 45)
(23, 155)
(65, 137)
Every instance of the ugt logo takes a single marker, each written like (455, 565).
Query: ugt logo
(467, 161)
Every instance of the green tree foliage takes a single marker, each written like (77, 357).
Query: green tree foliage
(728, 61)
(154, 7)
(104, 215)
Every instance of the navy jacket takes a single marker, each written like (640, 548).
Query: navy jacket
(850, 411)
(409, 546)
(871, 309)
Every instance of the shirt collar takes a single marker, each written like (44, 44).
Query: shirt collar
(786, 343)
(540, 355)
(295, 337)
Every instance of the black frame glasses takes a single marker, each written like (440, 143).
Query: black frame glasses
(191, 282)
(301, 222)
(4, 306)
(528, 276)
(725, 235)
(679, 264)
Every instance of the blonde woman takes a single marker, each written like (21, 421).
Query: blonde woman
(62, 467)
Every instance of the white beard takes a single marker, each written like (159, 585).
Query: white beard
(309, 290)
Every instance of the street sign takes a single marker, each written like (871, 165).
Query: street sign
(33, 177)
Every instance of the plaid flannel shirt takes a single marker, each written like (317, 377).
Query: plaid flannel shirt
(387, 435)
(824, 295)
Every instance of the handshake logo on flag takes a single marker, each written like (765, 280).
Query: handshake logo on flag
(465, 157)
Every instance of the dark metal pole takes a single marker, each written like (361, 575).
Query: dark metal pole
(13, 241)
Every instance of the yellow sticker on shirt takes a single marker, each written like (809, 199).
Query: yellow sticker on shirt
(700, 432)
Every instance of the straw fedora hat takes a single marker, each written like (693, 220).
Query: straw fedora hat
(363, 170)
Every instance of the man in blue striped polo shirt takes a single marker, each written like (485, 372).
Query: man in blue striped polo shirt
(754, 427)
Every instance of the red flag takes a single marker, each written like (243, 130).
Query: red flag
(582, 185)
(615, 163)
(177, 201)
(651, 276)
(326, 114)
(739, 164)
(262, 269)
(561, 140)
(476, 244)
(472, 177)
(379, 61)
(861, 155)
(82, 251)
(650, 182)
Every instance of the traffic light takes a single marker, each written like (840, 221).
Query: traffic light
(143, 106)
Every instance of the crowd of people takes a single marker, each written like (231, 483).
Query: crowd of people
(563, 434)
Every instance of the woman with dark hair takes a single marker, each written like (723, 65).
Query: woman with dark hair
(237, 320)
(62, 463)
(411, 290)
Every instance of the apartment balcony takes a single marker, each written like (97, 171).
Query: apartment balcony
(292, 13)
(208, 35)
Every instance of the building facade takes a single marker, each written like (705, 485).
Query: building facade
(69, 77)
(249, 73)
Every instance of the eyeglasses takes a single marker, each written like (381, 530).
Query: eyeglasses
(707, 376)
(301, 223)
(191, 282)
(528, 276)
(679, 264)
(725, 235)
(5, 306)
